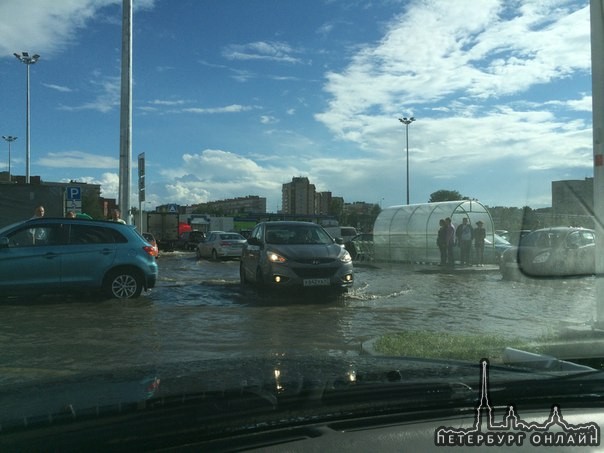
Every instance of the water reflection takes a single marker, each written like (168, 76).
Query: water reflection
(199, 311)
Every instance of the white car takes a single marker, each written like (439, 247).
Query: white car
(221, 245)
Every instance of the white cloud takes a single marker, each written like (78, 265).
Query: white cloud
(77, 159)
(108, 91)
(268, 119)
(262, 50)
(109, 183)
(216, 174)
(37, 28)
(233, 108)
(463, 60)
(62, 89)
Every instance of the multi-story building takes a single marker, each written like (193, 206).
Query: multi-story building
(298, 197)
(323, 203)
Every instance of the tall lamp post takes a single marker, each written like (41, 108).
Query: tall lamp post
(407, 122)
(28, 60)
(9, 139)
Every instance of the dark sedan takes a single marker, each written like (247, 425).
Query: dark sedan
(550, 252)
(295, 255)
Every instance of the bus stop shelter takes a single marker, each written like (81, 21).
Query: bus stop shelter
(408, 233)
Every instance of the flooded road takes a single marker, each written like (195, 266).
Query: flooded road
(199, 311)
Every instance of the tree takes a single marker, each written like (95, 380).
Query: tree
(91, 204)
(445, 195)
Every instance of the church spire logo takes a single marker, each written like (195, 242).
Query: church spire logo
(514, 431)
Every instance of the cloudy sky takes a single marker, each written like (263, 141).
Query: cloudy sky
(235, 97)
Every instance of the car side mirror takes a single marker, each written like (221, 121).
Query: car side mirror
(339, 241)
(3, 242)
(254, 241)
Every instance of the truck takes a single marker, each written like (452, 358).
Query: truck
(207, 223)
(165, 227)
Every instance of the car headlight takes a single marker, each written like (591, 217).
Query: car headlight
(541, 258)
(275, 257)
(345, 257)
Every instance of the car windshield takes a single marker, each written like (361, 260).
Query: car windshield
(296, 235)
(369, 219)
(544, 239)
(231, 237)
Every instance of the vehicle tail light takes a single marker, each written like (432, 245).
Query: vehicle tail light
(149, 249)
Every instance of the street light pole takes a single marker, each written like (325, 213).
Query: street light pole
(28, 60)
(125, 178)
(9, 139)
(407, 122)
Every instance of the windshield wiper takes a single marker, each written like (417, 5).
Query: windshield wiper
(517, 357)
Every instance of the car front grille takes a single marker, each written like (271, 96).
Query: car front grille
(316, 261)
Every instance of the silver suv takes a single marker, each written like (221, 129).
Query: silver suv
(46, 255)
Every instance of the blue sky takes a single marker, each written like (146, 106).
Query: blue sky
(235, 97)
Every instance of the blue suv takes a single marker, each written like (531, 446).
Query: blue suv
(50, 255)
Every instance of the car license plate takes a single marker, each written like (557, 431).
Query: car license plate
(316, 282)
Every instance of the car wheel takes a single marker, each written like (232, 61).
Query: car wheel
(242, 278)
(123, 284)
(214, 255)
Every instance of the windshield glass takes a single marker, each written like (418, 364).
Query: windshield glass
(296, 234)
(344, 199)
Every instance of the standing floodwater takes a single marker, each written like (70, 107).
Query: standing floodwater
(199, 311)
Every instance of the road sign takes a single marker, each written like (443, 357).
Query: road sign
(141, 177)
(75, 206)
(73, 193)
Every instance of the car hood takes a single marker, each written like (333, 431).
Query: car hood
(248, 395)
(274, 377)
(308, 251)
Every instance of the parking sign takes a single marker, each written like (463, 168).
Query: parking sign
(74, 193)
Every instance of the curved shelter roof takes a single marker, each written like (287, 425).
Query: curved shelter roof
(408, 233)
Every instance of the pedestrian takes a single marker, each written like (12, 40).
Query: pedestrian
(450, 229)
(71, 215)
(38, 212)
(479, 236)
(441, 241)
(464, 235)
(38, 235)
(115, 216)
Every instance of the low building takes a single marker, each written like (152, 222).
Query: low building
(18, 200)
(573, 197)
(234, 206)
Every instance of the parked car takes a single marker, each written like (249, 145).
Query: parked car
(151, 240)
(514, 237)
(188, 240)
(48, 255)
(360, 247)
(494, 251)
(221, 245)
(560, 251)
(295, 254)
